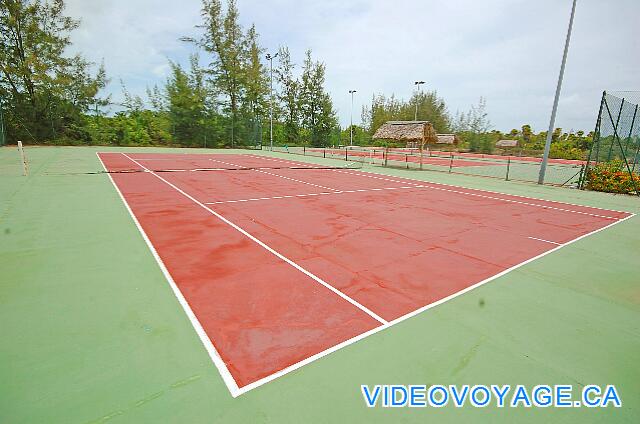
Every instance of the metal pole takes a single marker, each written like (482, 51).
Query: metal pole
(626, 144)
(552, 122)
(417, 84)
(615, 127)
(270, 59)
(352, 92)
(351, 126)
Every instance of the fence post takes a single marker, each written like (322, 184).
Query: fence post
(451, 163)
(346, 154)
(615, 128)
(406, 160)
(508, 166)
(581, 176)
(385, 155)
(324, 152)
(304, 150)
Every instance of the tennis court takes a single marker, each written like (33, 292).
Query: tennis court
(278, 263)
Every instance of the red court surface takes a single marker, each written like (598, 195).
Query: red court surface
(277, 266)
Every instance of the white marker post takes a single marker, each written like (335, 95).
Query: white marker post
(25, 165)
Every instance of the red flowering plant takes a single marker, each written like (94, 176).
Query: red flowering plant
(612, 177)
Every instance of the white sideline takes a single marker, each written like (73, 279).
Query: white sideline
(427, 184)
(222, 367)
(348, 342)
(264, 245)
(204, 338)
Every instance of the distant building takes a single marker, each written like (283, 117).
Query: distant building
(415, 132)
(507, 143)
(447, 139)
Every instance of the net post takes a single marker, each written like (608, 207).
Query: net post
(406, 160)
(506, 178)
(451, 163)
(23, 158)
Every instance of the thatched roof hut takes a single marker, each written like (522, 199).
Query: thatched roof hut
(418, 131)
(447, 139)
(507, 143)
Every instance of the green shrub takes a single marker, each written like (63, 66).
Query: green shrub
(612, 177)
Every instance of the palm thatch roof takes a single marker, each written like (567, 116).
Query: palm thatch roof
(447, 139)
(507, 143)
(421, 131)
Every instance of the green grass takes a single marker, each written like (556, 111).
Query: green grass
(91, 331)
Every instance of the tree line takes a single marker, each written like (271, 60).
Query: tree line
(222, 98)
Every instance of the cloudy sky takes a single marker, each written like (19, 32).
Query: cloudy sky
(508, 51)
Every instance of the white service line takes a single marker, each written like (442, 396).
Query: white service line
(297, 181)
(291, 196)
(222, 367)
(368, 174)
(281, 176)
(265, 246)
(418, 311)
(429, 186)
(546, 241)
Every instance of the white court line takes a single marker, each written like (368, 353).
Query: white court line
(355, 339)
(298, 181)
(291, 196)
(264, 245)
(319, 355)
(484, 196)
(368, 174)
(546, 241)
(204, 338)
(281, 176)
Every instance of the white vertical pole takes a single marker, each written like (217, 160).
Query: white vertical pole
(552, 122)
(271, 108)
(351, 126)
(23, 158)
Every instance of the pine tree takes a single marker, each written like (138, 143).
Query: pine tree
(288, 96)
(186, 99)
(224, 41)
(318, 116)
(256, 84)
(47, 89)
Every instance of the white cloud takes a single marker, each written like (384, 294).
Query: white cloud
(508, 51)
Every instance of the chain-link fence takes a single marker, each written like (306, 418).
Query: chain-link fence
(614, 159)
(3, 140)
(560, 172)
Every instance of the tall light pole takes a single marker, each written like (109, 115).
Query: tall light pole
(352, 92)
(417, 84)
(270, 59)
(552, 122)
